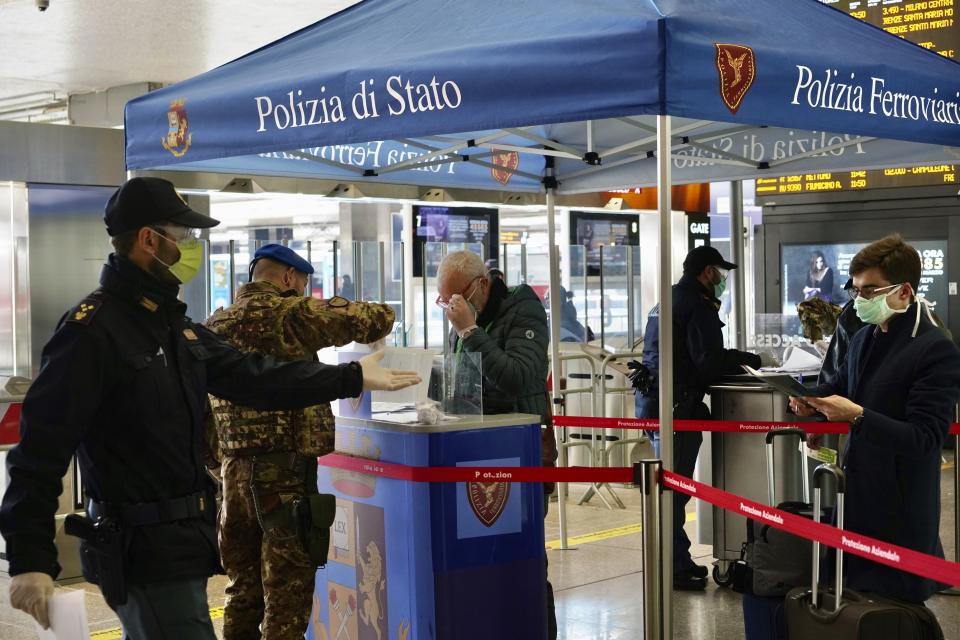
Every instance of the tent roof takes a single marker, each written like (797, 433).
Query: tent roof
(581, 78)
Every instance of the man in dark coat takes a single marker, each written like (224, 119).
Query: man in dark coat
(898, 390)
(123, 385)
(699, 359)
(508, 328)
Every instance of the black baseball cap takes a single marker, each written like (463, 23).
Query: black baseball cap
(702, 257)
(140, 202)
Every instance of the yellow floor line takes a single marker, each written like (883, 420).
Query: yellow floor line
(606, 534)
(117, 634)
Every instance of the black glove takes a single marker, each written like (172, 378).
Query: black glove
(640, 377)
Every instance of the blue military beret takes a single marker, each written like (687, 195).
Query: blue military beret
(282, 254)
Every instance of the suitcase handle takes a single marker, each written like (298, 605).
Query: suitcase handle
(818, 475)
(771, 435)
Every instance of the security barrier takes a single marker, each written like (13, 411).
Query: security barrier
(651, 479)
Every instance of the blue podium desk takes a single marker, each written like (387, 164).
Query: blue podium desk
(416, 560)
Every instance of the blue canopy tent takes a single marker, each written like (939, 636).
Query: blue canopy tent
(562, 96)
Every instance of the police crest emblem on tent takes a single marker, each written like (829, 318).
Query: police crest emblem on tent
(737, 67)
(509, 160)
(179, 137)
(487, 499)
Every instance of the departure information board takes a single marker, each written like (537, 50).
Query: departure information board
(878, 178)
(928, 23)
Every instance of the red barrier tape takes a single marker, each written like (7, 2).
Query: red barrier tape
(476, 474)
(653, 424)
(891, 555)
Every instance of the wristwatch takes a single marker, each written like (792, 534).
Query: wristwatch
(855, 422)
(464, 334)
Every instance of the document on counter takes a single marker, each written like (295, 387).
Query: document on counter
(782, 382)
(68, 617)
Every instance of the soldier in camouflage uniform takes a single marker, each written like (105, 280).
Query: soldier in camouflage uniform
(269, 457)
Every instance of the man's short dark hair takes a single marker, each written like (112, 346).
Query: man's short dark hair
(898, 261)
(124, 242)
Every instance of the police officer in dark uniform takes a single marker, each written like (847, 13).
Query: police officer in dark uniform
(699, 359)
(123, 384)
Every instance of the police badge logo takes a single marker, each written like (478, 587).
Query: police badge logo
(178, 138)
(487, 500)
(507, 162)
(737, 68)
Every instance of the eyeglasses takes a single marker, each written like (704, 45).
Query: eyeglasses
(183, 236)
(870, 291)
(445, 304)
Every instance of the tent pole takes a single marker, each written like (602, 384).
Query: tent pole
(550, 183)
(737, 257)
(665, 374)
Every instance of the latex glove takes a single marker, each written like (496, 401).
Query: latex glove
(30, 592)
(378, 378)
(767, 359)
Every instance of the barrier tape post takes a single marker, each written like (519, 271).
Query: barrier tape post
(651, 491)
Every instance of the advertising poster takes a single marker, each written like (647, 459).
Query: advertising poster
(821, 270)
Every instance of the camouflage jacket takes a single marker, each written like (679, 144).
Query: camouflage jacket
(288, 327)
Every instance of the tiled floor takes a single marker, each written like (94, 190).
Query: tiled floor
(598, 584)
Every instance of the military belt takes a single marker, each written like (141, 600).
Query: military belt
(149, 513)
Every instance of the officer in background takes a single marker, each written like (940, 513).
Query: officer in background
(270, 457)
(123, 384)
(699, 359)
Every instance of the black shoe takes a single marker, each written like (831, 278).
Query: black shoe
(688, 581)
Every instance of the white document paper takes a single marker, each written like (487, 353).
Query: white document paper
(68, 617)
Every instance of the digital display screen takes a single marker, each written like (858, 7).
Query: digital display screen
(821, 270)
(878, 178)
(434, 226)
(928, 23)
(593, 230)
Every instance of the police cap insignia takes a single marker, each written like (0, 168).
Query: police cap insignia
(84, 312)
(337, 301)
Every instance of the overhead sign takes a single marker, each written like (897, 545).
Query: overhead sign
(698, 230)
(876, 178)
(928, 23)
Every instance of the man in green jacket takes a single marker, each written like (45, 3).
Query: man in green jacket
(508, 328)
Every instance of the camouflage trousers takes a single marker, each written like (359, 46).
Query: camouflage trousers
(271, 578)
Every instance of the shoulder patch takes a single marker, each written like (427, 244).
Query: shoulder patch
(83, 313)
(337, 301)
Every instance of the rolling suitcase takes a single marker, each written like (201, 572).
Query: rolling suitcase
(772, 561)
(814, 614)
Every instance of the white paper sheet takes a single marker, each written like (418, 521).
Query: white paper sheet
(796, 360)
(68, 617)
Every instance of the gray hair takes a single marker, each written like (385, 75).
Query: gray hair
(464, 262)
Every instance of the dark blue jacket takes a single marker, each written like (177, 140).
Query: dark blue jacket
(909, 388)
(123, 383)
(699, 357)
